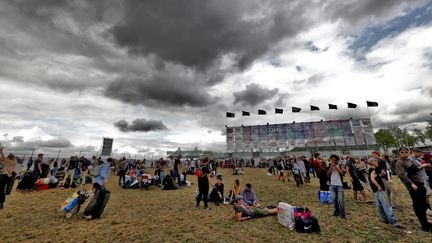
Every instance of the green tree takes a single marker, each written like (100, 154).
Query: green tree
(402, 137)
(385, 139)
(420, 135)
(428, 131)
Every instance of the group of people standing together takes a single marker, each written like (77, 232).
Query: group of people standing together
(376, 175)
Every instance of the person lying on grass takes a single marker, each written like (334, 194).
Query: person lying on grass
(243, 212)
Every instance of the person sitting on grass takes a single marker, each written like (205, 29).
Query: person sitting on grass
(243, 212)
(234, 192)
(249, 196)
(218, 190)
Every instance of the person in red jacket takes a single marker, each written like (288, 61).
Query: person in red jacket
(321, 173)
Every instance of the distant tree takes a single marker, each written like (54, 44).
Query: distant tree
(385, 139)
(402, 137)
(428, 131)
(420, 135)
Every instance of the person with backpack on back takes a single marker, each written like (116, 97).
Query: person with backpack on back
(203, 175)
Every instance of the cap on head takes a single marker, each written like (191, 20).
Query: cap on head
(237, 198)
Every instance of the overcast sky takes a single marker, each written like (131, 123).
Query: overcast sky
(157, 75)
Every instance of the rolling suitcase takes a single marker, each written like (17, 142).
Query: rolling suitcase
(98, 203)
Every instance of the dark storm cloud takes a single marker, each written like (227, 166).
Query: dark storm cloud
(198, 33)
(253, 95)
(140, 125)
(160, 90)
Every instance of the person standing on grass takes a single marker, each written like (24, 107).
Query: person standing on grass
(177, 170)
(335, 173)
(121, 167)
(410, 175)
(415, 157)
(307, 168)
(392, 193)
(320, 171)
(296, 169)
(203, 185)
(37, 167)
(378, 187)
(352, 174)
(281, 170)
(7, 166)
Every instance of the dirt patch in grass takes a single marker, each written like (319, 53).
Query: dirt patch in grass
(134, 215)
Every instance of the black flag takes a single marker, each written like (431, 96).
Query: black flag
(262, 112)
(296, 109)
(278, 111)
(314, 108)
(245, 113)
(230, 114)
(352, 105)
(372, 104)
(332, 107)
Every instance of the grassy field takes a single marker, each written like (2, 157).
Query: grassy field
(170, 216)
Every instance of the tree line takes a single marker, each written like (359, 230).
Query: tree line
(394, 137)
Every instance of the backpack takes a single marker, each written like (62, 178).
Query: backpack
(279, 167)
(198, 172)
(304, 222)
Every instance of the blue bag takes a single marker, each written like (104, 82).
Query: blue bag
(325, 197)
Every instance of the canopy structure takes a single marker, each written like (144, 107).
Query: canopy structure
(177, 153)
(195, 153)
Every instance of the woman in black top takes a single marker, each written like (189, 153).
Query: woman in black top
(203, 184)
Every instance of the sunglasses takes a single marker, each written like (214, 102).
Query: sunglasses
(403, 152)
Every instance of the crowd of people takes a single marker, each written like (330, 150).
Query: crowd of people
(335, 174)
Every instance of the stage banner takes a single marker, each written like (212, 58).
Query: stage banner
(247, 136)
(255, 133)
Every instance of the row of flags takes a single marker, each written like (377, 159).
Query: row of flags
(298, 109)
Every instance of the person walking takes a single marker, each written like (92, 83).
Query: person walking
(410, 175)
(101, 194)
(7, 166)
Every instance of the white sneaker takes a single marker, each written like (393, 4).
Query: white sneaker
(429, 212)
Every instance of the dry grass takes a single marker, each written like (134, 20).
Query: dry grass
(170, 216)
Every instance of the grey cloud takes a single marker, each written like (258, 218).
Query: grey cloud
(253, 95)
(205, 31)
(52, 143)
(140, 125)
(18, 139)
(160, 90)
(310, 81)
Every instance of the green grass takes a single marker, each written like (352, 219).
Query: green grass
(170, 216)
